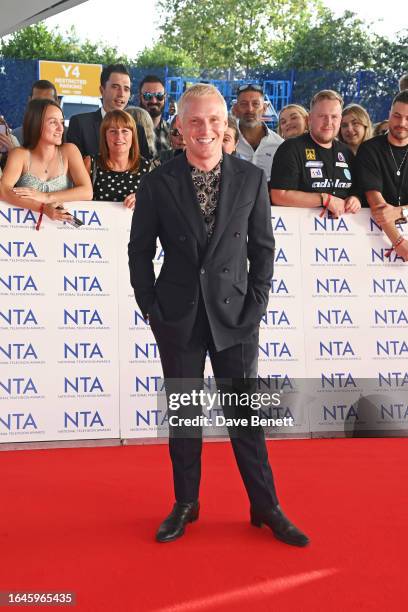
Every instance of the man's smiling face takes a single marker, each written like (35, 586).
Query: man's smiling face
(203, 124)
(116, 92)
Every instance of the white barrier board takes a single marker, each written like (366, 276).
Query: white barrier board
(77, 360)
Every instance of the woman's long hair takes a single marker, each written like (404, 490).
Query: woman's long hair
(119, 119)
(34, 120)
(362, 117)
(302, 112)
(142, 117)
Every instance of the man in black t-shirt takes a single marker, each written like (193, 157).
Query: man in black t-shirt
(382, 166)
(314, 169)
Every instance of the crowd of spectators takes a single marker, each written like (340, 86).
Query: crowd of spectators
(330, 156)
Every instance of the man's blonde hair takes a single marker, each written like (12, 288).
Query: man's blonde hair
(326, 94)
(200, 90)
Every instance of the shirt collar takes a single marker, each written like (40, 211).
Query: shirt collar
(215, 170)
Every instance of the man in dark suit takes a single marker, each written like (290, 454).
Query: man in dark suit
(212, 215)
(115, 89)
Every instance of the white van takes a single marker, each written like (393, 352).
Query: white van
(74, 105)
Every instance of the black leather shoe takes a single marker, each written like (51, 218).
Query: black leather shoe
(281, 526)
(173, 526)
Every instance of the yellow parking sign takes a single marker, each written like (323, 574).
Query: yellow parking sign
(72, 79)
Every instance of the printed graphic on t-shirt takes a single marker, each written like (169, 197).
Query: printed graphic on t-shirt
(316, 173)
(314, 164)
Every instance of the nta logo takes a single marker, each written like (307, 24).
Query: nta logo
(82, 418)
(81, 250)
(18, 249)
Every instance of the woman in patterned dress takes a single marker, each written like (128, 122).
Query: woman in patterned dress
(117, 171)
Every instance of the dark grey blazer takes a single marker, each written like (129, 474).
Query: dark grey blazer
(83, 130)
(235, 298)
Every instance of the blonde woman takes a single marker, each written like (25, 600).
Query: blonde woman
(293, 121)
(355, 127)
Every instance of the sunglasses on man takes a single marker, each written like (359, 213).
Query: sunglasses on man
(159, 95)
(250, 87)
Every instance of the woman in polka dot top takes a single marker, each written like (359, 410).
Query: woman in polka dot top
(117, 171)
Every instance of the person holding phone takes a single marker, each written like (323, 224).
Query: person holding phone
(44, 173)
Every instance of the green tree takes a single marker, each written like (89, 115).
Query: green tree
(160, 56)
(38, 42)
(233, 33)
(392, 55)
(342, 43)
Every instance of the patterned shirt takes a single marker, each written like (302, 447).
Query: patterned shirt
(207, 187)
(162, 132)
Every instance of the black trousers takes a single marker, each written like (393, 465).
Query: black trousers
(235, 363)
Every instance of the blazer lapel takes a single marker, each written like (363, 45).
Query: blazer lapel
(182, 190)
(232, 180)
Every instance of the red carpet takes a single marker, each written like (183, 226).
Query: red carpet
(83, 520)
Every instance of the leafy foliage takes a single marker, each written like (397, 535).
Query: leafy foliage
(38, 42)
(160, 56)
(392, 56)
(331, 44)
(233, 33)
(243, 35)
